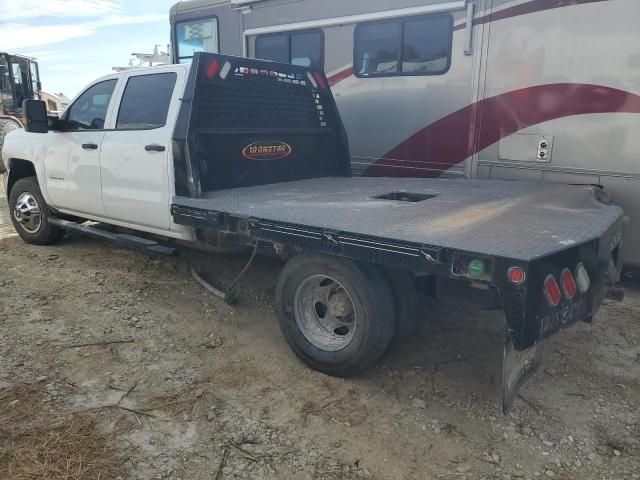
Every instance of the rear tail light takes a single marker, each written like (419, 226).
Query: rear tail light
(582, 278)
(552, 291)
(568, 284)
(212, 69)
(516, 275)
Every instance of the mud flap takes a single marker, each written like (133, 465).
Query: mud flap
(517, 368)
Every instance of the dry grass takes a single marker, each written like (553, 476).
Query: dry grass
(35, 445)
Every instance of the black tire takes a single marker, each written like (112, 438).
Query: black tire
(371, 298)
(46, 234)
(405, 295)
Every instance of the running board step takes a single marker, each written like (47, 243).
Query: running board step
(145, 244)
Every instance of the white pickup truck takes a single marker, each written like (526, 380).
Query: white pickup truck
(253, 153)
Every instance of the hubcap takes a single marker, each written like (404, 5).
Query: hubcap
(325, 313)
(27, 212)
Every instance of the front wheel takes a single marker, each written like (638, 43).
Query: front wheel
(336, 314)
(30, 214)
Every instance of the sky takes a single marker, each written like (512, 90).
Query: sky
(77, 41)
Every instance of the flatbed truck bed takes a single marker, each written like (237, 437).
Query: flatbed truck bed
(261, 155)
(516, 220)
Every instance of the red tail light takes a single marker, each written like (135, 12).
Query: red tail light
(568, 284)
(552, 291)
(516, 275)
(212, 69)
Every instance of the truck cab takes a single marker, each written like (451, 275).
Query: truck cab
(108, 158)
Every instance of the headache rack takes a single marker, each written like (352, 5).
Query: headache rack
(246, 122)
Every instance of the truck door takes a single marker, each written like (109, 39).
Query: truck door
(135, 154)
(72, 161)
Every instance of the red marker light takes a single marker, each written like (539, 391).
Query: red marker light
(552, 291)
(516, 275)
(212, 69)
(320, 79)
(568, 284)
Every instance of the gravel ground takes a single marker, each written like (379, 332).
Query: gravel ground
(192, 388)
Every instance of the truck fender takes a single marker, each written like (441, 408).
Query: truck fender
(7, 124)
(17, 169)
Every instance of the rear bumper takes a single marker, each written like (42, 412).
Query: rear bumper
(530, 316)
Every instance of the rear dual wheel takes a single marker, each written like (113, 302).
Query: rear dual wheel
(337, 315)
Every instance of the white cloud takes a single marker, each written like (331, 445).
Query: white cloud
(21, 35)
(21, 9)
(130, 19)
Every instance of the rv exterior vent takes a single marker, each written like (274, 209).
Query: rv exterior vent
(406, 197)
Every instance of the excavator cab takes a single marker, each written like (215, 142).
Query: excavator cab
(19, 81)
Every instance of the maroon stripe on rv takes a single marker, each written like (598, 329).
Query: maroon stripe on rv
(452, 139)
(525, 8)
(338, 77)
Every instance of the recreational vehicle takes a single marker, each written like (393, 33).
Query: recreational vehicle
(540, 90)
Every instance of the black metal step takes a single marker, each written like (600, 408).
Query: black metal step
(125, 239)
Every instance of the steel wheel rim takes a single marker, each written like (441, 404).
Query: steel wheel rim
(325, 313)
(27, 212)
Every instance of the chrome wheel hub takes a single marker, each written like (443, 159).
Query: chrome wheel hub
(325, 313)
(27, 212)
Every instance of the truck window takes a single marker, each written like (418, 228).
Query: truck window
(145, 102)
(305, 49)
(196, 36)
(412, 46)
(89, 111)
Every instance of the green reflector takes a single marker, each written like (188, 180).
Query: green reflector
(476, 268)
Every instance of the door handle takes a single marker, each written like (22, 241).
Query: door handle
(89, 146)
(154, 148)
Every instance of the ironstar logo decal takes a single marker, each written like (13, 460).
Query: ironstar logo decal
(267, 150)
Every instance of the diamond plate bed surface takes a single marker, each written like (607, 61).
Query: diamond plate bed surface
(522, 220)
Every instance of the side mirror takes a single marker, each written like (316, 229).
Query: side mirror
(56, 124)
(35, 113)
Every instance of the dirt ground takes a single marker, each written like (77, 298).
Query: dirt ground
(194, 389)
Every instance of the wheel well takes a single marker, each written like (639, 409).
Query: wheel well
(19, 169)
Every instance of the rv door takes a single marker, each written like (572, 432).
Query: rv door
(549, 113)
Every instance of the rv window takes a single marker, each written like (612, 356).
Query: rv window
(414, 46)
(273, 47)
(145, 101)
(300, 48)
(196, 36)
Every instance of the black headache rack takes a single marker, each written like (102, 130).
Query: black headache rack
(245, 122)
